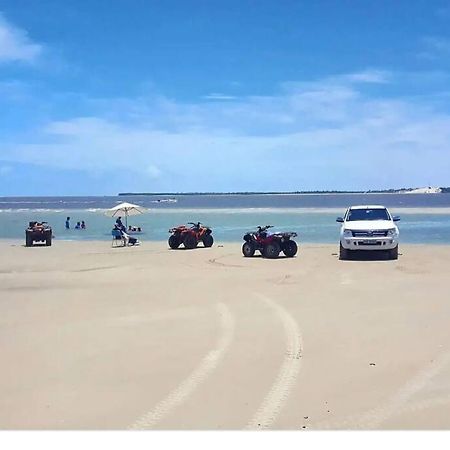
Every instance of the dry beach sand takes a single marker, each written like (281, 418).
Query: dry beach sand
(146, 338)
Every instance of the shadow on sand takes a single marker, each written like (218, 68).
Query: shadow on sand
(187, 249)
(367, 255)
(281, 256)
(40, 244)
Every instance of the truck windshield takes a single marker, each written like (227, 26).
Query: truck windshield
(368, 214)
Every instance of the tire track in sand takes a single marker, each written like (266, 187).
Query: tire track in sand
(281, 388)
(374, 418)
(197, 377)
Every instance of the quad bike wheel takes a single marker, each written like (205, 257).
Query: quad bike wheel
(272, 250)
(174, 242)
(190, 241)
(290, 248)
(248, 249)
(208, 241)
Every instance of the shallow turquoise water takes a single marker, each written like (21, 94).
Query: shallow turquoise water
(227, 224)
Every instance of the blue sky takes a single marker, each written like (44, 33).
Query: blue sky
(98, 97)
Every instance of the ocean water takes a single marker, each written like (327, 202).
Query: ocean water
(425, 218)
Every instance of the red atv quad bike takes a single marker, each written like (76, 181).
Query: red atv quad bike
(190, 236)
(270, 245)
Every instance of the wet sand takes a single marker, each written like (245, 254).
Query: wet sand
(146, 338)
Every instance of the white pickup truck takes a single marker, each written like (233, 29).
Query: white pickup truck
(368, 228)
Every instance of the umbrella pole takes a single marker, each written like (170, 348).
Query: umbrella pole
(126, 220)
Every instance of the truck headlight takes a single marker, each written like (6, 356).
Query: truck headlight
(392, 232)
(348, 233)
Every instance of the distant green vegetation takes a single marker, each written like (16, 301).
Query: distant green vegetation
(165, 194)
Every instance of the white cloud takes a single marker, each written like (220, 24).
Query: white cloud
(15, 45)
(153, 171)
(326, 134)
(218, 96)
(369, 76)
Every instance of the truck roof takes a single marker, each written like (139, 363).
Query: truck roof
(368, 207)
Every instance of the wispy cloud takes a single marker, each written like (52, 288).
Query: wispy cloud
(435, 47)
(15, 45)
(369, 76)
(322, 134)
(219, 97)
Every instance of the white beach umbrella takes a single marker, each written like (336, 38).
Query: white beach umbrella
(125, 209)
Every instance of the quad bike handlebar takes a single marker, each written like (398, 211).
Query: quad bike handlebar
(199, 225)
(194, 226)
(286, 234)
(260, 230)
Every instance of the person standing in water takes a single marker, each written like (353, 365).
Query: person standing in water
(83, 225)
(68, 223)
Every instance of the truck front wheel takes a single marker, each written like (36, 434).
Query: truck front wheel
(393, 254)
(343, 253)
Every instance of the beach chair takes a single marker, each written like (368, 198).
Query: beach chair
(117, 239)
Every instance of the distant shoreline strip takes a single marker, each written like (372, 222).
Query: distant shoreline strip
(179, 194)
(240, 210)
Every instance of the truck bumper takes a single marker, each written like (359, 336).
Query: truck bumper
(387, 243)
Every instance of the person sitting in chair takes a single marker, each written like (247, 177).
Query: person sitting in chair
(120, 224)
(129, 240)
(123, 235)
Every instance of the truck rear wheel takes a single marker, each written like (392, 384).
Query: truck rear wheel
(28, 240)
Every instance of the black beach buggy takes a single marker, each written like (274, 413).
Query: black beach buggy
(38, 232)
